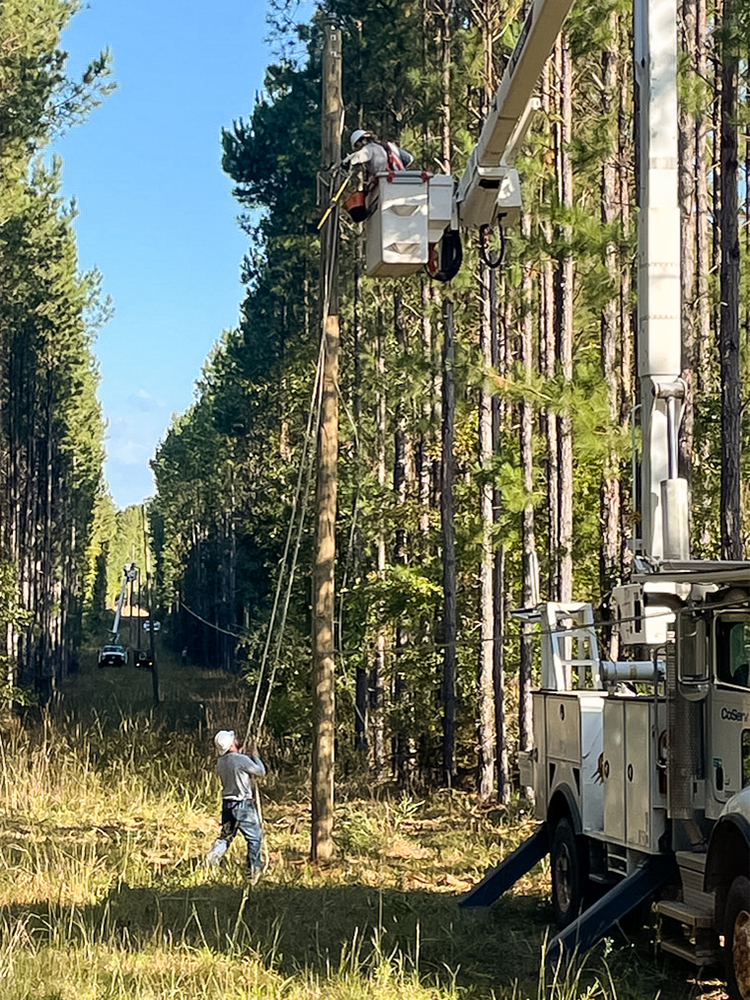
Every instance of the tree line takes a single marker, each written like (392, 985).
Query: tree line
(52, 494)
(486, 424)
(482, 461)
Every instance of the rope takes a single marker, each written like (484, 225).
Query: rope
(313, 413)
(305, 470)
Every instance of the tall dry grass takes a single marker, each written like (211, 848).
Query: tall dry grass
(105, 817)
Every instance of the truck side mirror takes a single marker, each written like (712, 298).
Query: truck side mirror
(693, 672)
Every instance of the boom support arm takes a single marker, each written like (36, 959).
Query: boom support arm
(664, 495)
(129, 573)
(488, 176)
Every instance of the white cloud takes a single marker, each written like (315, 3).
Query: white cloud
(133, 433)
(145, 402)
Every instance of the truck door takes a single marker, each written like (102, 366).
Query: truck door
(729, 711)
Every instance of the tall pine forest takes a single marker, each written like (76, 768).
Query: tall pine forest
(486, 424)
(53, 502)
(478, 465)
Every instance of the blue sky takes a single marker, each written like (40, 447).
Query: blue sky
(156, 215)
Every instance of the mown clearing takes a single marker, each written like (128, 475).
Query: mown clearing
(103, 892)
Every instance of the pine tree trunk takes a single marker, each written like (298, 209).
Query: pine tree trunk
(426, 473)
(729, 331)
(377, 674)
(499, 362)
(401, 469)
(400, 457)
(564, 283)
(485, 685)
(450, 623)
(547, 365)
(528, 538)
(688, 152)
(625, 156)
(502, 764)
(450, 670)
(702, 249)
(609, 557)
(361, 684)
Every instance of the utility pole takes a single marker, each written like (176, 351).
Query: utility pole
(150, 602)
(323, 676)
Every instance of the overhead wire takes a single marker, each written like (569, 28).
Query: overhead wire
(484, 251)
(216, 628)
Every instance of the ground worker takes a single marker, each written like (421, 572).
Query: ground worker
(375, 155)
(239, 811)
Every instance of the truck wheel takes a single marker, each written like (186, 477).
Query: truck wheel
(567, 874)
(737, 939)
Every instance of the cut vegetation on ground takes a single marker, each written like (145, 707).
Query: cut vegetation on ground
(106, 817)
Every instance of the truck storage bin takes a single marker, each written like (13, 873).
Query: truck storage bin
(634, 808)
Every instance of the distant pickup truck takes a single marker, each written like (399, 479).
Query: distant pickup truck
(113, 656)
(144, 659)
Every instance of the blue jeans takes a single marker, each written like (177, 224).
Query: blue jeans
(241, 815)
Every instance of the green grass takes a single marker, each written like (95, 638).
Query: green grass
(106, 813)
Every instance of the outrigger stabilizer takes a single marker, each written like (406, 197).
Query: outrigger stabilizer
(652, 874)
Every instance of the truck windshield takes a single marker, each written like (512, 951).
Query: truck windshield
(733, 651)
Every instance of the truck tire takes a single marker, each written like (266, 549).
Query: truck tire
(567, 871)
(737, 939)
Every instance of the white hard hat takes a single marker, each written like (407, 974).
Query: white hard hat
(224, 740)
(357, 134)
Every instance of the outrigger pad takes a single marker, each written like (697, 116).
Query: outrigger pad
(651, 874)
(508, 872)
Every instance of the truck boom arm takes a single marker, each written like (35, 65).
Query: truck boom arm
(488, 190)
(489, 163)
(129, 573)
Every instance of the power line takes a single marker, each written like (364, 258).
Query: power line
(216, 628)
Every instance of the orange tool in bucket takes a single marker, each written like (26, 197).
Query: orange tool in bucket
(355, 206)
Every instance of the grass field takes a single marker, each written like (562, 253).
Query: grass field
(108, 810)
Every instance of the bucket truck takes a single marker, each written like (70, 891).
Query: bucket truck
(641, 768)
(113, 654)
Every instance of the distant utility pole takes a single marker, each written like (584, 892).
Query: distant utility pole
(323, 675)
(150, 603)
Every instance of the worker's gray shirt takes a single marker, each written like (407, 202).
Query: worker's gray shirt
(375, 157)
(236, 771)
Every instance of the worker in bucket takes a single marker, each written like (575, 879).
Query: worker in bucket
(375, 155)
(239, 809)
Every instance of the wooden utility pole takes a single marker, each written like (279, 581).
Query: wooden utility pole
(151, 619)
(729, 286)
(323, 687)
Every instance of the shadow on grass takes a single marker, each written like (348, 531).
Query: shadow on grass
(327, 930)
(319, 930)
(112, 694)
